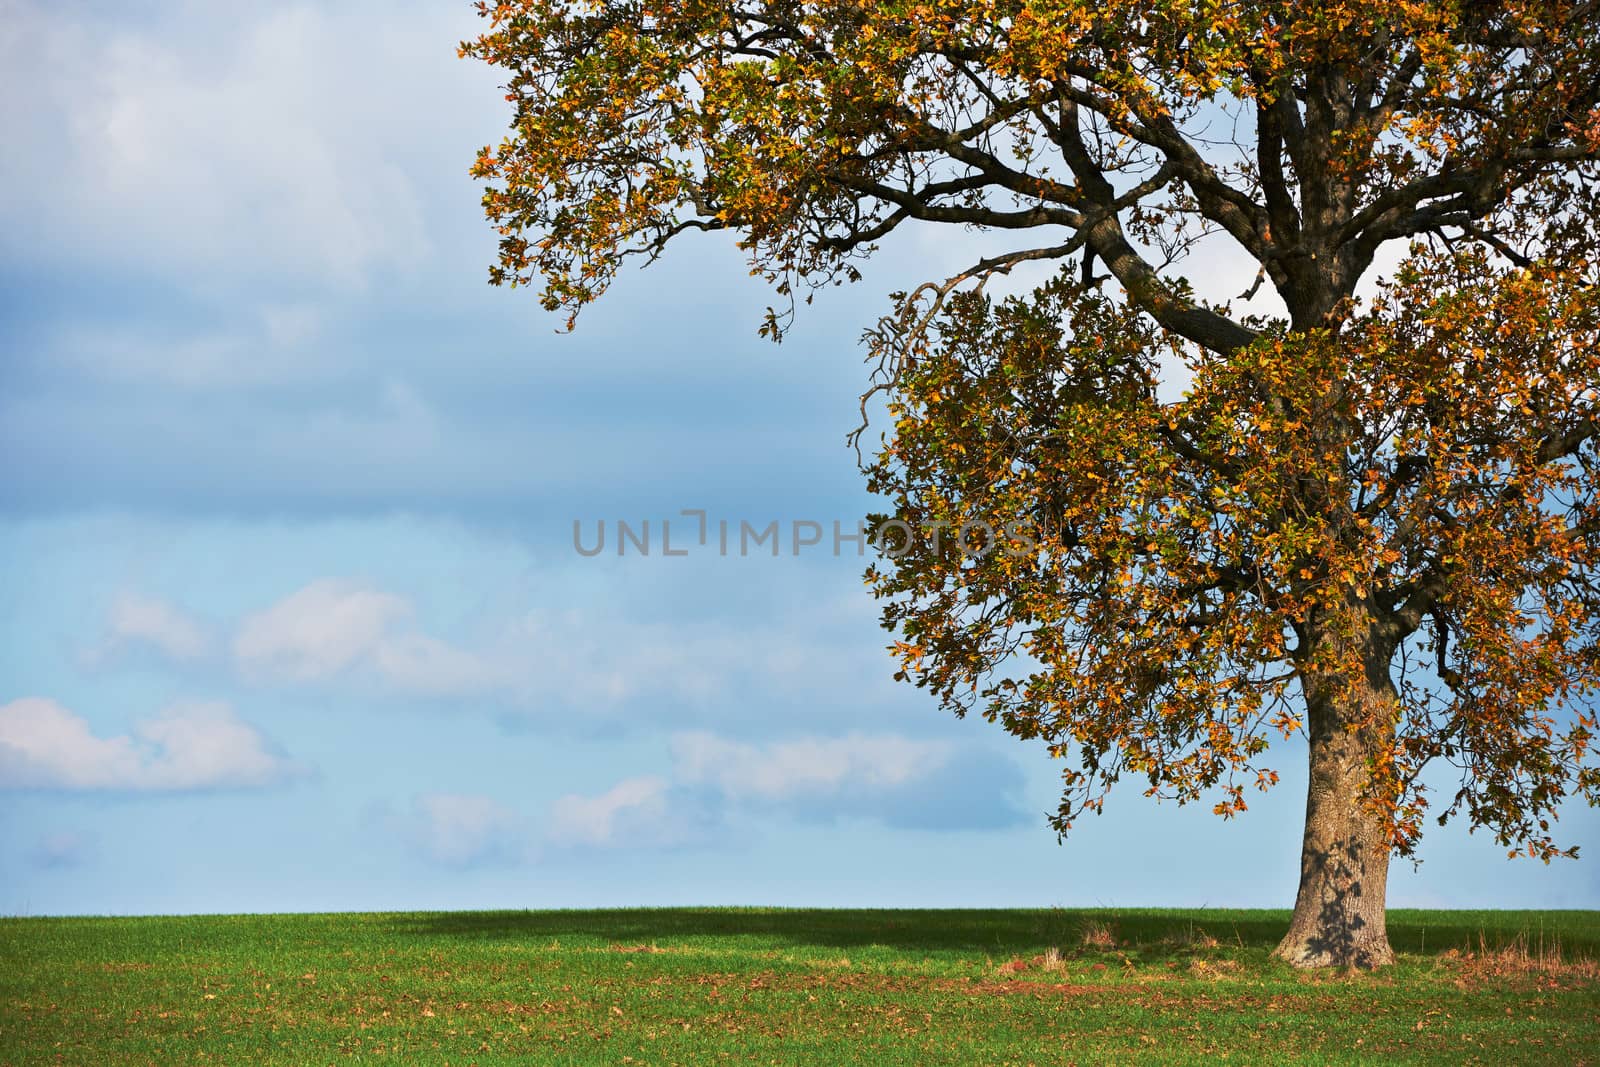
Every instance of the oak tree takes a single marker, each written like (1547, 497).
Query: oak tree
(1364, 514)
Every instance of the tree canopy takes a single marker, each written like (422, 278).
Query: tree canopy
(1369, 517)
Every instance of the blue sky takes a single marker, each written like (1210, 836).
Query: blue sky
(292, 616)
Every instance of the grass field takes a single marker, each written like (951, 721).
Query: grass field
(705, 986)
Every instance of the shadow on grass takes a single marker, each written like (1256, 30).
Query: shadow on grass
(1576, 933)
(993, 931)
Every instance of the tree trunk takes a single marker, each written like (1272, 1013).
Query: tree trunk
(1339, 916)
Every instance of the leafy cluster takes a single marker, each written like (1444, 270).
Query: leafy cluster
(1421, 483)
(814, 129)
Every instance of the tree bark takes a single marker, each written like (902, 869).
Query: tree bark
(1339, 918)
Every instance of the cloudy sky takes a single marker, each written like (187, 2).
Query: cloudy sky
(292, 614)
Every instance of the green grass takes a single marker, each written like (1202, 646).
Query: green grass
(706, 986)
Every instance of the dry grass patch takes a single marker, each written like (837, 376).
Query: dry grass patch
(1099, 935)
(1522, 956)
(1190, 937)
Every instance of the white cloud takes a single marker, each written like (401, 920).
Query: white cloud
(188, 746)
(804, 766)
(137, 619)
(460, 829)
(318, 631)
(633, 811)
(597, 662)
(900, 781)
(334, 625)
(226, 142)
(469, 829)
(713, 781)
